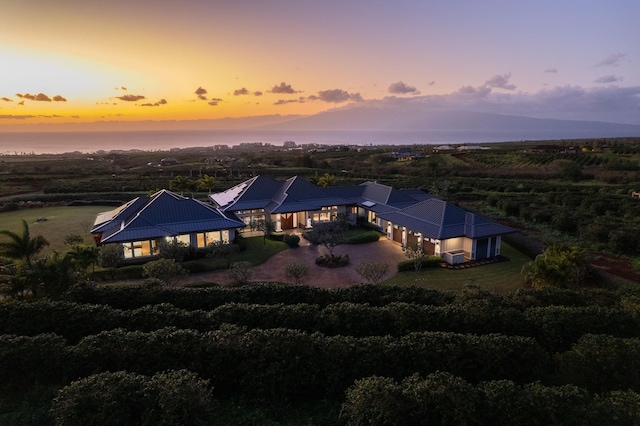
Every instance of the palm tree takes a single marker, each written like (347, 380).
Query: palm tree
(83, 256)
(22, 246)
(326, 180)
(180, 183)
(206, 182)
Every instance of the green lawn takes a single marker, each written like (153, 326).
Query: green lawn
(60, 222)
(499, 277)
(257, 252)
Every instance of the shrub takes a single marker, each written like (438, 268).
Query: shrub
(292, 240)
(427, 262)
(372, 271)
(240, 272)
(333, 261)
(296, 272)
(166, 271)
(365, 237)
(169, 398)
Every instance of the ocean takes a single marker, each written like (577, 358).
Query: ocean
(12, 143)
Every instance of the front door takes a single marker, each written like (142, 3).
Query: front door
(286, 221)
(481, 248)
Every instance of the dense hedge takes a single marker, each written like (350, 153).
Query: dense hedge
(263, 294)
(278, 363)
(442, 398)
(127, 297)
(121, 398)
(554, 327)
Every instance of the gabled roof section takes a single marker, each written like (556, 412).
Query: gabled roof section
(298, 194)
(436, 218)
(160, 215)
(254, 193)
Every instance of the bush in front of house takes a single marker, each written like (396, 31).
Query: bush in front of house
(292, 240)
(427, 262)
(365, 237)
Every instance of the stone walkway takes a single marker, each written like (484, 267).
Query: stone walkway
(346, 276)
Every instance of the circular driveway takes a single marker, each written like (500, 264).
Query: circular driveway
(383, 251)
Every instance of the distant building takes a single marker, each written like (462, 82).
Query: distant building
(289, 145)
(168, 162)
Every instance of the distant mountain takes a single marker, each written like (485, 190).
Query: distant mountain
(406, 118)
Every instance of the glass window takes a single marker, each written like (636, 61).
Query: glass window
(185, 238)
(225, 235)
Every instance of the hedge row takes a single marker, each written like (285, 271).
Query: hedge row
(265, 294)
(441, 398)
(121, 398)
(275, 363)
(425, 262)
(128, 297)
(554, 327)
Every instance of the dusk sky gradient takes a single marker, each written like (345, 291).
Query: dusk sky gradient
(73, 61)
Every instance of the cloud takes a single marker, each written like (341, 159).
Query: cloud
(160, 102)
(401, 88)
(130, 98)
(41, 97)
(611, 60)
(283, 88)
(335, 96)
(214, 101)
(16, 117)
(431, 83)
(59, 98)
(257, 93)
(121, 88)
(551, 71)
(608, 103)
(500, 82)
(300, 100)
(239, 92)
(201, 93)
(608, 79)
(6, 99)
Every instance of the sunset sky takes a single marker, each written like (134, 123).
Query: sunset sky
(72, 61)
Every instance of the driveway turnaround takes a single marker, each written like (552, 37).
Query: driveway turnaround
(383, 251)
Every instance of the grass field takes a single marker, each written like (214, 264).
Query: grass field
(60, 222)
(499, 277)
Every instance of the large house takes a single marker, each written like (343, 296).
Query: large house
(407, 216)
(142, 223)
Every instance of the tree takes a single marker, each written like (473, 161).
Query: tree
(296, 271)
(372, 271)
(267, 227)
(109, 257)
(240, 272)
(55, 275)
(326, 180)
(83, 256)
(329, 234)
(206, 182)
(21, 246)
(167, 271)
(416, 254)
(223, 250)
(73, 239)
(560, 265)
(181, 183)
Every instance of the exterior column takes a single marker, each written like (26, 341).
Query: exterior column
(278, 223)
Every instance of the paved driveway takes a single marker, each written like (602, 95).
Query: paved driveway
(346, 276)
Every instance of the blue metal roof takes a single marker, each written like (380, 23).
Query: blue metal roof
(163, 214)
(413, 208)
(436, 218)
